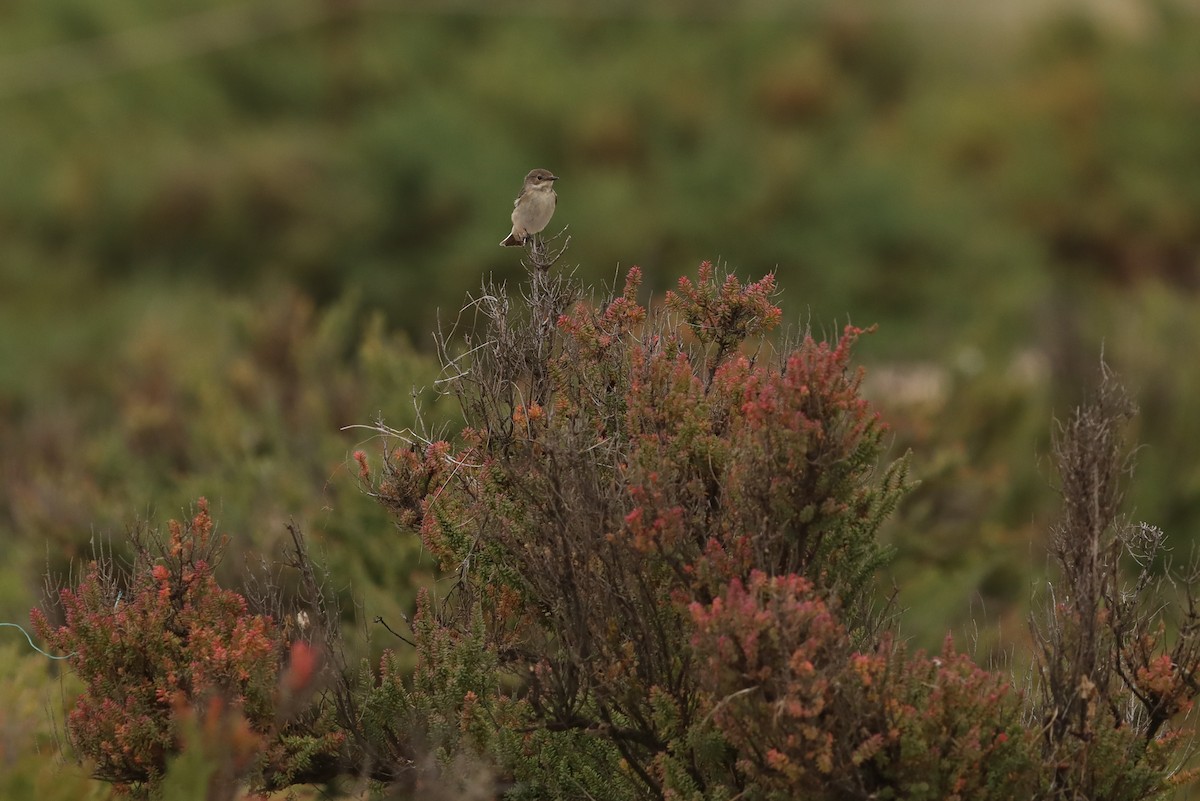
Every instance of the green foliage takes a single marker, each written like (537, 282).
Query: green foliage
(35, 776)
(426, 733)
(560, 764)
(31, 709)
(881, 163)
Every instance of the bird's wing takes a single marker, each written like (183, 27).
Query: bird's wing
(518, 200)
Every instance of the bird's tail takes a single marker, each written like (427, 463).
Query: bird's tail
(512, 241)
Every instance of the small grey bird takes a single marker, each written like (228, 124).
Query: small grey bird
(533, 208)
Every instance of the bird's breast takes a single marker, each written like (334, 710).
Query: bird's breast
(535, 210)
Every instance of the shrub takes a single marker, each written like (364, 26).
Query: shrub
(160, 645)
(809, 716)
(1109, 681)
(616, 468)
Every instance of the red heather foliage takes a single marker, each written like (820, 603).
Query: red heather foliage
(809, 716)
(765, 467)
(746, 636)
(725, 315)
(172, 640)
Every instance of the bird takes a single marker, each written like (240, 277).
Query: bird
(533, 208)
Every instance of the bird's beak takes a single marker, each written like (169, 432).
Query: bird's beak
(553, 178)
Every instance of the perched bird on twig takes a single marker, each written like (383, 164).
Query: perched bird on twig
(533, 207)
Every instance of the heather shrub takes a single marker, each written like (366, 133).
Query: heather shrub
(616, 467)
(811, 716)
(161, 647)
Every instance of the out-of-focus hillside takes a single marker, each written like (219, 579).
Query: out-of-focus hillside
(885, 165)
(227, 229)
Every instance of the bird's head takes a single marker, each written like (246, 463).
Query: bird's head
(540, 179)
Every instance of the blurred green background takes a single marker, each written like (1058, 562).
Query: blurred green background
(229, 227)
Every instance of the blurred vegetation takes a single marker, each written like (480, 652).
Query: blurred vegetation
(228, 227)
